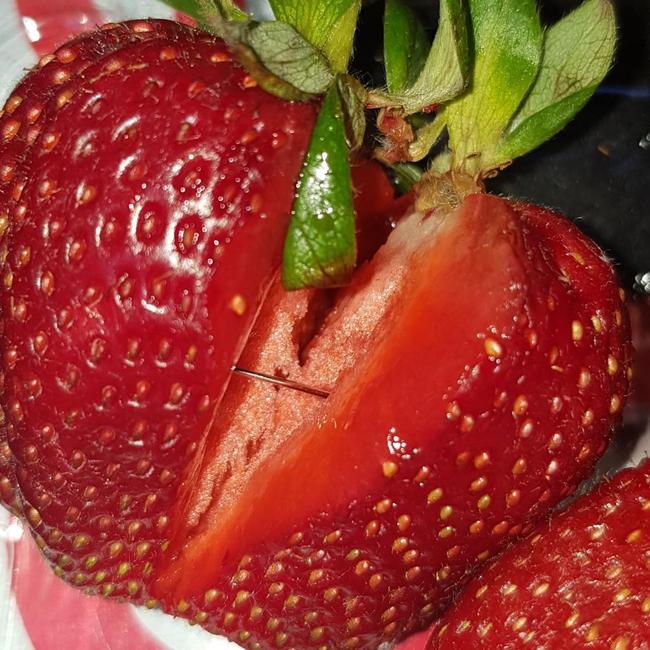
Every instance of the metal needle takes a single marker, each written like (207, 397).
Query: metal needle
(279, 381)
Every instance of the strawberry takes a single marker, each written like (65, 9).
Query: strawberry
(475, 365)
(125, 287)
(25, 112)
(580, 581)
(447, 436)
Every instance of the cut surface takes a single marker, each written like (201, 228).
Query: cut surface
(268, 442)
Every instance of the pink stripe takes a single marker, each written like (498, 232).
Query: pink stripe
(57, 616)
(55, 22)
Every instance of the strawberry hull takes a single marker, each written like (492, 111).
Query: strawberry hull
(128, 290)
(468, 397)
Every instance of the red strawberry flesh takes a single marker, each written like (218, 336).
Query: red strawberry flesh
(580, 581)
(476, 367)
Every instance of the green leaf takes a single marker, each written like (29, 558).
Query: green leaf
(507, 54)
(578, 53)
(230, 11)
(289, 56)
(320, 249)
(204, 10)
(426, 137)
(329, 25)
(446, 70)
(353, 97)
(405, 45)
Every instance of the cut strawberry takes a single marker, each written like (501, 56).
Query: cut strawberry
(469, 394)
(580, 581)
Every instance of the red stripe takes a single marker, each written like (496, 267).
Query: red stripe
(56, 20)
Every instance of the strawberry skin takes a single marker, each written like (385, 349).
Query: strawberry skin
(128, 288)
(476, 368)
(580, 581)
(22, 119)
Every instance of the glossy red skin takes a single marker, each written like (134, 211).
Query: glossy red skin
(170, 171)
(580, 581)
(326, 548)
(22, 118)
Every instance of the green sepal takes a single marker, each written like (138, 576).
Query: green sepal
(329, 25)
(445, 73)
(578, 54)
(286, 54)
(281, 61)
(229, 10)
(353, 100)
(204, 11)
(320, 248)
(405, 46)
(406, 176)
(507, 55)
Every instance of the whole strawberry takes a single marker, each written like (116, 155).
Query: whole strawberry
(455, 387)
(580, 581)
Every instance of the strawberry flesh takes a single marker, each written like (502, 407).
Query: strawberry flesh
(580, 581)
(476, 368)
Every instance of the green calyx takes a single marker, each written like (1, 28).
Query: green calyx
(527, 83)
(492, 79)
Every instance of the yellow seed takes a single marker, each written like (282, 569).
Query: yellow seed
(541, 589)
(577, 331)
(634, 536)
(389, 468)
(592, 633)
(645, 606)
(622, 595)
(446, 512)
(572, 620)
(620, 643)
(519, 624)
(484, 502)
(597, 323)
(612, 365)
(614, 404)
(241, 598)
(520, 405)
(238, 304)
(434, 495)
(493, 348)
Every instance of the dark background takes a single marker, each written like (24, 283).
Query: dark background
(597, 171)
